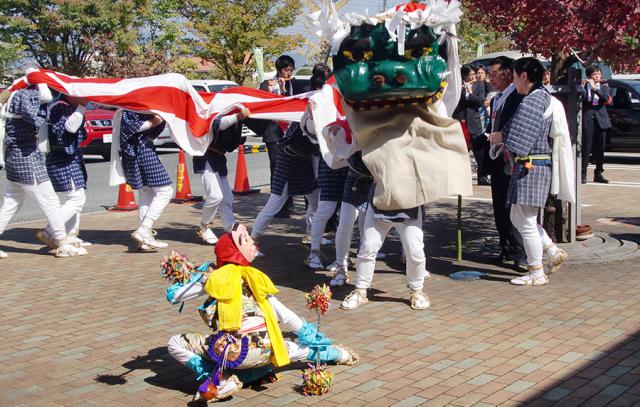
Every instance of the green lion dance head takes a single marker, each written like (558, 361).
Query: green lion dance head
(396, 58)
(372, 73)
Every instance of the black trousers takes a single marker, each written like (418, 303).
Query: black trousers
(594, 139)
(510, 239)
(480, 148)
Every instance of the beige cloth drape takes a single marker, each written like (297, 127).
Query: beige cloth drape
(415, 155)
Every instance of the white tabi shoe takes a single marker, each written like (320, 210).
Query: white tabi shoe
(69, 249)
(3, 255)
(419, 300)
(355, 299)
(313, 261)
(347, 356)
(226, 389)
(554, 262)
(207, 234)
(76, 239)
(530, 279)
(145, 235)
(340, 277)
(144, 248)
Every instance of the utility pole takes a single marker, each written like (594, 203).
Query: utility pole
(384, 5)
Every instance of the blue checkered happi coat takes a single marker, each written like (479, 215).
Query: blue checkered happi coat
(65, 163)
(528, 134)
(331, 182)
(217, 161)
(141, 164)
(358, 183)
(24, 163)
(293, 170)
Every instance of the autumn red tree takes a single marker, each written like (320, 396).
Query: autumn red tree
(606, 29)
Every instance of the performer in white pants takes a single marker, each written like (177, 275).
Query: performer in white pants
(144, 172)
(25, 169)
(355, 198)
(213, 168)
(293, 175)
(65, 164)
(377, 224)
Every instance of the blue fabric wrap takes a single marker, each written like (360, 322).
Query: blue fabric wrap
(200, 366)
(317, 342)
(204, 266)
(172, 289)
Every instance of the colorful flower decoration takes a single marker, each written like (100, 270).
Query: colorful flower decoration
(176, 268)
(319, 299)
(316, 380)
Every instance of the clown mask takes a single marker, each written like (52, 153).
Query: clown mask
(244, 242)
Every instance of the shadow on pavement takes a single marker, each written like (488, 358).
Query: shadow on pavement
(169, 374)
(609, 377)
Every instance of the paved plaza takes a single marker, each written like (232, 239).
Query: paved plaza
(93, 330)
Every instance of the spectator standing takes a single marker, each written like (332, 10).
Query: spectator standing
(468, 110)
(483, 82)
(595, 123)
(503, 107)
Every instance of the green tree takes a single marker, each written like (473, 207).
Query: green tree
(151, 44)
(472, 32)
(10, 53)
(225, 32)
(58, 34)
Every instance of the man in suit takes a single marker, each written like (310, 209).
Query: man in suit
(595, 123)
(503, 107)
(468, 109)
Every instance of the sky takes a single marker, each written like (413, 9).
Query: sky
(374, 6)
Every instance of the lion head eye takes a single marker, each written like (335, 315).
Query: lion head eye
(366, 55)
(408, 54)
(349, 55)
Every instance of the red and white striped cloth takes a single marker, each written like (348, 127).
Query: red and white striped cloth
(171, 96)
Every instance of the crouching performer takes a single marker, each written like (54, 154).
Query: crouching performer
(247, 322)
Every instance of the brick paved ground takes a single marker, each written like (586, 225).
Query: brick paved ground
(93, 330)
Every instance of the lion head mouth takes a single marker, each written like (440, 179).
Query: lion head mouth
(390, 99)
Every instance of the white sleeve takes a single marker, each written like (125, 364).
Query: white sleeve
(188, 292)
(288, 319)
(145, 126)
(74, 121)
(228, 121)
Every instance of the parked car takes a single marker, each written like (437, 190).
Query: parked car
(624, 113)
(212, 85)
(99, 125)
(486, 58)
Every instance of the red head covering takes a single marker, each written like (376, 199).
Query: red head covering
(227, 252)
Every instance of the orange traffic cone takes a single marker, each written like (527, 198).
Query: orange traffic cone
(241, 184)
(183, 186)
(126, 200)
